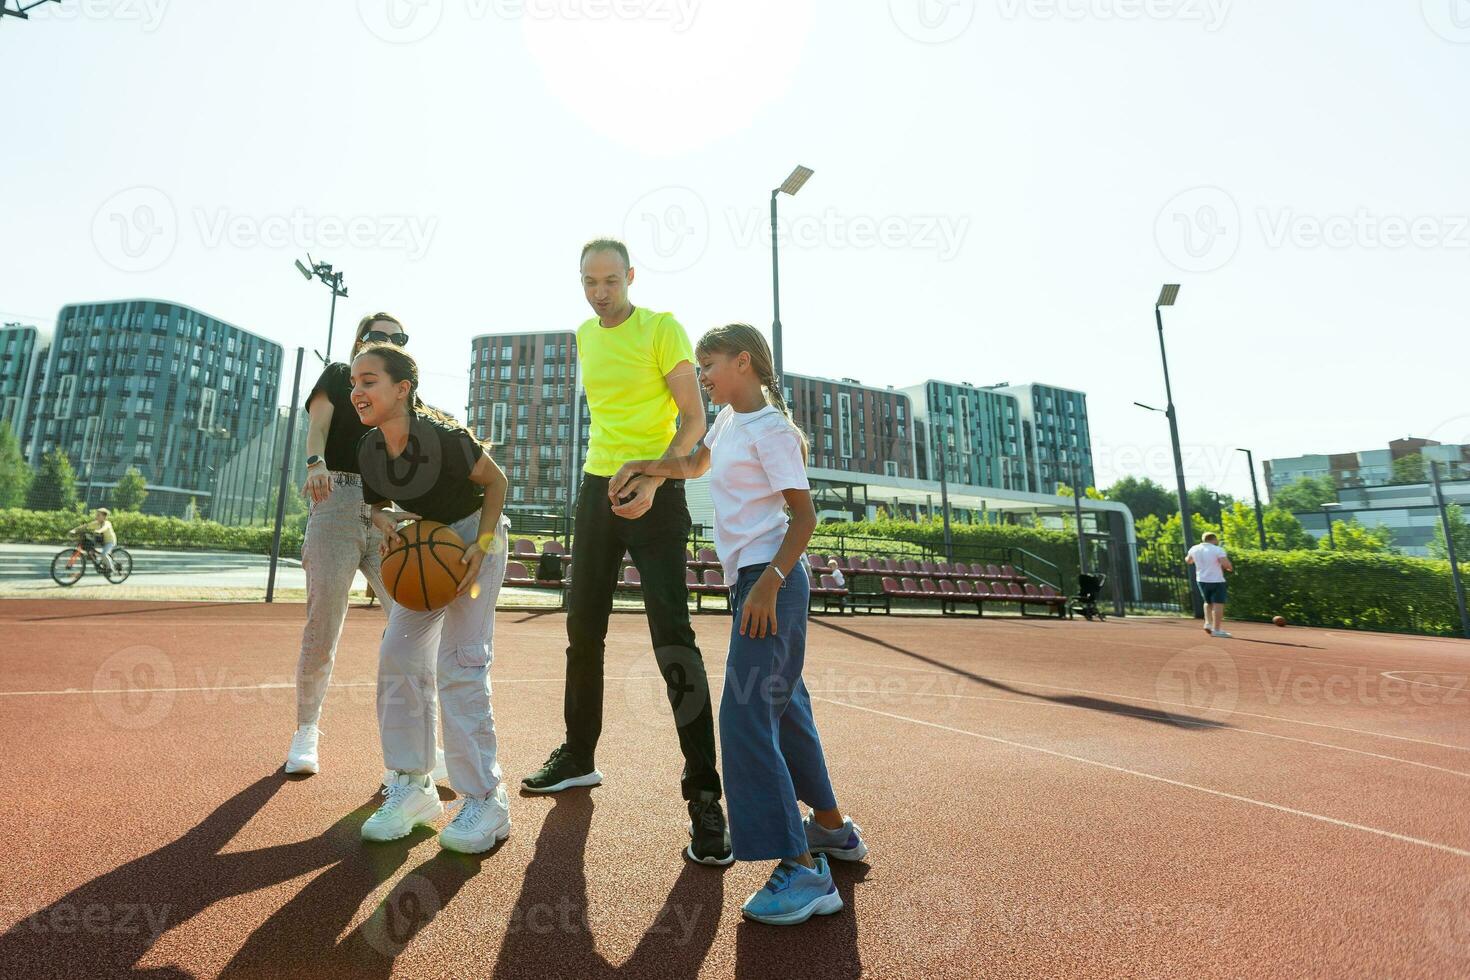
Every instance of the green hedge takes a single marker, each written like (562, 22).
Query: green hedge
(147, 531)
(1347, 590)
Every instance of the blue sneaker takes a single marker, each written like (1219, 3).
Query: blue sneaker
(845, 843)
(794, 894)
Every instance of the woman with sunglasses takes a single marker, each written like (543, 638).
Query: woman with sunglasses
(340, 538)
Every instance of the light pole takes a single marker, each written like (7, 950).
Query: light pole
(1167, 295)
(1250, 461)
(1328, 509)
(790, 185)
(323, 271)
(1449, 544)
(21, 6)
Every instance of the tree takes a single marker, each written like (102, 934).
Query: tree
(1143, 497)
(1460, 535)
(131, 491)
(1308, 493)
(1209, 503)
(55, 486)
(1410, 469)
(15, 473)
(1284, 532)
(1350, 535)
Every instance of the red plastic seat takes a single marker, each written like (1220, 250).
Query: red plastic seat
(631, 578)
(947, 587)
(911, 587)
(708, 558)
(524, 546)
(553, 547)
(930, 568)
(1010, 572)
(691, 577)
(714, 580)
(964, 588)
(992, 571)
(910, 566)
(516, 574)
(927, 586)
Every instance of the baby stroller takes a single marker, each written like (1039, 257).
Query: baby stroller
(1089, 587)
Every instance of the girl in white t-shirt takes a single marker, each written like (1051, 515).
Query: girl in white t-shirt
(773, 756)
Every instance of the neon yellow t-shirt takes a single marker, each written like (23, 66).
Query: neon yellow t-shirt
(633, 413)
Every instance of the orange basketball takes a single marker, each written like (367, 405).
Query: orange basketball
(423, 571)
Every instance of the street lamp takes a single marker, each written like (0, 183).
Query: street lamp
(21, 6)
(323, 271)
(1250, 462)
(1328, 509)
(1167, 295)
(790, 185)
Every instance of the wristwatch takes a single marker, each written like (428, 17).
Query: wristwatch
(313, 459)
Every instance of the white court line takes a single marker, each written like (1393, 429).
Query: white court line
(1457, 852)
(1139, 697)
(1192, 724)
(245, 687)
(1392, 675)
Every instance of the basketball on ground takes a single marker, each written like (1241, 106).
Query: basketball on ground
(423, 570)
(1279, 620)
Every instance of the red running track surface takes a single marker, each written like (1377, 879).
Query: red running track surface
(1042, 798)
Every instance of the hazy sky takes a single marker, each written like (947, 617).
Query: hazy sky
(1001, 187)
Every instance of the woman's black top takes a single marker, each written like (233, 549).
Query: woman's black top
(346, 429)
(431, 477)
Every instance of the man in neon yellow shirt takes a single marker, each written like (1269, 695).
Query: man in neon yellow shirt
(643, 395)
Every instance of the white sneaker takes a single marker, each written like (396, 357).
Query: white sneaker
(441, 770)
(302, 755)
(1220, 633)
(479, 825)
(411, 800)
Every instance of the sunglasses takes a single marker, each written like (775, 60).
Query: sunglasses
(378, 336)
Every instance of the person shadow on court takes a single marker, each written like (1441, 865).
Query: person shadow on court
(549, 933)
(105, 926)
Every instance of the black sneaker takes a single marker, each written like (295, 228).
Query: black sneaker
(562, 771)
(709, 838)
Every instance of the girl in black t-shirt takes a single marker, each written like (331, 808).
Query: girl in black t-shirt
(432, 467)
(340, 540)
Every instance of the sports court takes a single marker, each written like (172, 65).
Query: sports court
(1042, 798)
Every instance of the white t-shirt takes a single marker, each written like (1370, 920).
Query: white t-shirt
(753, 457)
(1207, 558)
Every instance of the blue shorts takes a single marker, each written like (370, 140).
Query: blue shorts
(1212, 591)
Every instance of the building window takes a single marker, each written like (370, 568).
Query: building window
(964, 420)
(497, 423)
(890, 468)
(66, 392)
(207, 399)
(844, 424)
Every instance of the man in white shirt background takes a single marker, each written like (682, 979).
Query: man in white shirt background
(1211, 563)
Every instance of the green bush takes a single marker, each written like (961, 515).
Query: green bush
(1347, 590)
(149, 531)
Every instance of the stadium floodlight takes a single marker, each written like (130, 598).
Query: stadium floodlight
(324, 272)
(1250, 462)
(20, 8)
(1167, 296)
(795, 182)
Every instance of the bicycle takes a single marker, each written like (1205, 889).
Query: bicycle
(69, 564)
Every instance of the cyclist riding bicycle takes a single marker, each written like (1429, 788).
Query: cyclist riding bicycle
(99, 529)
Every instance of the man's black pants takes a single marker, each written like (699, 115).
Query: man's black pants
(656, 543)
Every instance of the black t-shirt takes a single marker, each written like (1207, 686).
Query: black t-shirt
(346, 428)
(430, 478)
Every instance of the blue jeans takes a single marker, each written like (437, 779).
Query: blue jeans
(773, 755)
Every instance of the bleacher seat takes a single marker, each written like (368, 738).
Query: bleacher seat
(713, 584)
(517, 575)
